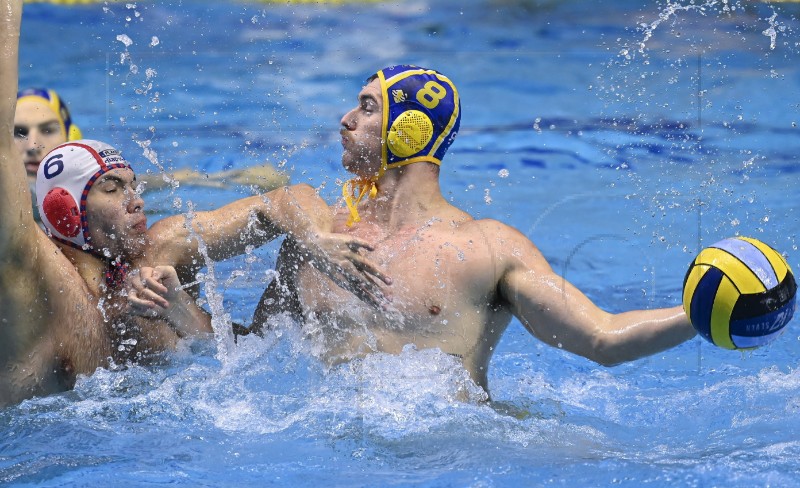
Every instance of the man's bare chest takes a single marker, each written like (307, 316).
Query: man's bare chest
(436, 276)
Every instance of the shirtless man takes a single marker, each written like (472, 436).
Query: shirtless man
(457, 281)
(64, 306)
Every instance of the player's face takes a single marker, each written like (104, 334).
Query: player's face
(361, 133)
(115, 214)
(37, 130)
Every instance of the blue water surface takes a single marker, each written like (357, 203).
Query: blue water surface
(620, 136)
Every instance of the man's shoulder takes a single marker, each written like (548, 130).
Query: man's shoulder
(33, 251)
(490, 227)
(501, 236)
(164, 237)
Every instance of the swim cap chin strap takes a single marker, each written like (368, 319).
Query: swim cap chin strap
(116, 272)
(421, 117)
(354, 190)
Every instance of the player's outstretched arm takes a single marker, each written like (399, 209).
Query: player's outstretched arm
(295, 211)
(42, 298)
(19, 285)
(559, 314)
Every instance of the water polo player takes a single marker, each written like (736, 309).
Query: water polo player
(61, 316)
(457, 281)
(41, 122)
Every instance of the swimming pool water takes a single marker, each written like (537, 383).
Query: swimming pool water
(619, 136)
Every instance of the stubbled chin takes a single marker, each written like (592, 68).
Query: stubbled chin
(355, 165)
(135, 247)
(348, 164)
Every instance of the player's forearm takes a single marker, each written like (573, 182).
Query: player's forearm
(186, 318)
(229, 231)
(14, 193)
(10, 15)
(633, 335)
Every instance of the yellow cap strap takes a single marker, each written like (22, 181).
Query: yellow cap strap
(354, 191)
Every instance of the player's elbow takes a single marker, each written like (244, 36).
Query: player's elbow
(607, 350)
(303, 195)
(302, 190)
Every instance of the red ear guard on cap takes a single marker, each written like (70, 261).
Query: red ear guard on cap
(62, 212)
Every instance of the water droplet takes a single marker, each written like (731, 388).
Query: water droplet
(124, 39)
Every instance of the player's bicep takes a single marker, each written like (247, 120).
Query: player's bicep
(552, 309)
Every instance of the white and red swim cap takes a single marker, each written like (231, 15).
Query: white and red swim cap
(63, 181)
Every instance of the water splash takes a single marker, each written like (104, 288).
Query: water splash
(125, 40)
(672, 10)
(773, 29)
(151, 155)
(220, 319)
(382, 396)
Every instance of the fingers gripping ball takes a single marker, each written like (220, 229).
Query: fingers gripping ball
(739, 293)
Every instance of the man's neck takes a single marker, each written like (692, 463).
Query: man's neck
(409, 195)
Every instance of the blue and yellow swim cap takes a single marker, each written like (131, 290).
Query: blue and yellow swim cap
(421, 118)
(50, 97)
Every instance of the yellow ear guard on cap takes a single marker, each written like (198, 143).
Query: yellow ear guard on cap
(409, 133)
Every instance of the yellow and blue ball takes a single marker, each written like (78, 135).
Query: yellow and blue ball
(739, 293)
